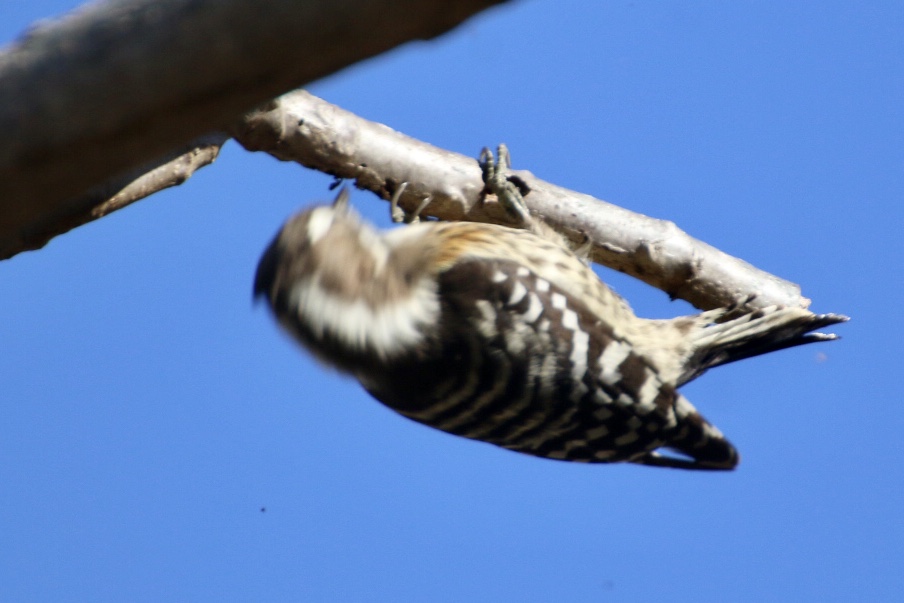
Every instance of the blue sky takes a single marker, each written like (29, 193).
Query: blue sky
(151, 412)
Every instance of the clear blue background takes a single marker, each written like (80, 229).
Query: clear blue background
(150, 414)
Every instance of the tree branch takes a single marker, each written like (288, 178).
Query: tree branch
(154, 176)
(85, 99)
(303, 128)
(116, 84)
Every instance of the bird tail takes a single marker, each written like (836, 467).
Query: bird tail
(726, 336)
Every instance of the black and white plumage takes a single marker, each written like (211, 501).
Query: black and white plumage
(504, 335)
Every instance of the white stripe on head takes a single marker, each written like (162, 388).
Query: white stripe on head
(385, 330)
(319, 222)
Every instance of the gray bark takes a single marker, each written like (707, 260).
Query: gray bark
(114, 85)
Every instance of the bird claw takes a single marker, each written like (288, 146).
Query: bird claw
(509, 190)
(399, 214)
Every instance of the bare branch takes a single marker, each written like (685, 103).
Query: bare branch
(303, 128)
(118, 83)
(170, 170)
(85, 99)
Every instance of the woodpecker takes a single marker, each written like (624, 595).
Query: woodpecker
(506, 336)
